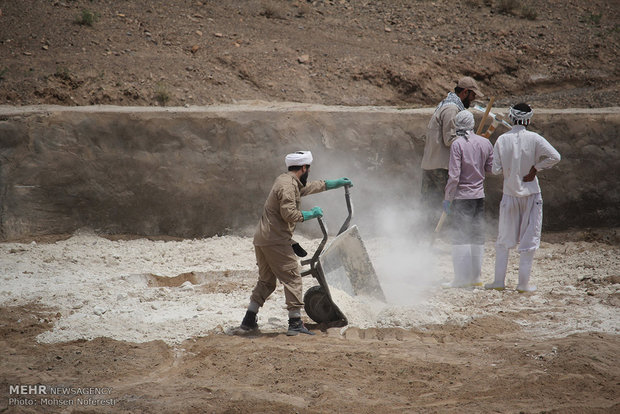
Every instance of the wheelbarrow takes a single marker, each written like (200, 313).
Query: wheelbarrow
(343, 265)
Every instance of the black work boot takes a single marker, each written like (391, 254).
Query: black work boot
(296, 326)
(249, 321)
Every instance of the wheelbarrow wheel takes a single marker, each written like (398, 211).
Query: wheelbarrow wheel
(318, 306)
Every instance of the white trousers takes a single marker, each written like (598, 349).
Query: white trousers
(520, 225)
(526, 259)
(520, 222)
(467, 262)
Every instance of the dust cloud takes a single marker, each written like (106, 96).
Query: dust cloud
(393, 223)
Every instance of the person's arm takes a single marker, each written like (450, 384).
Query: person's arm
(497, 160)
(312, 187)
(546, 155)
(448, 129)
(454, 172)
(288, 206)
(488, 165)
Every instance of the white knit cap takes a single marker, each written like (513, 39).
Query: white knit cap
(464, 121)
(298, 158)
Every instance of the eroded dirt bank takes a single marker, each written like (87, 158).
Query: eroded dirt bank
(196, 172)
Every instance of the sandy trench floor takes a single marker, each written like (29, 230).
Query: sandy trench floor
(146, 324)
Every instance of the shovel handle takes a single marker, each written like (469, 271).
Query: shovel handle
(441, 220)
(486, 114)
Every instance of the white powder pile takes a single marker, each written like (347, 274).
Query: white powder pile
(107, 288)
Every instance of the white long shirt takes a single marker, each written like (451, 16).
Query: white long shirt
(514, 154)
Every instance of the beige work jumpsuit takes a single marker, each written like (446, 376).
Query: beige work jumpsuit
(274, 236)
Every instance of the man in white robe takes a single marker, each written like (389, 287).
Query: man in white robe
(520, 154)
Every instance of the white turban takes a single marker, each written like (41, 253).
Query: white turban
(298, 158)
(520, 117)
(464, 121)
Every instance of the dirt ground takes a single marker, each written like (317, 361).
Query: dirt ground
(163, 344)
(553, 54)
(555, 351)
(486, 366)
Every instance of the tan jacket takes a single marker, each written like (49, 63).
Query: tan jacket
(441, 133)
(282, 209)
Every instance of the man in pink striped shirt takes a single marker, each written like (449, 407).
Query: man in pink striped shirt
(471, 156)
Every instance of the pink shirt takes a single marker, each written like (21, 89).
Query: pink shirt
(470, 157)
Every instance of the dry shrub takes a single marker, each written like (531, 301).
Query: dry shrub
(529, 12)
(506, 6)
(161, 93)
(87, 18)
(473, 3)
(272, 9)
(302, 10)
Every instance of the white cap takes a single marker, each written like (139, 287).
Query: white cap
(298, 158)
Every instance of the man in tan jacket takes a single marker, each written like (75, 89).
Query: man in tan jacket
(273, 240)
(441, 133)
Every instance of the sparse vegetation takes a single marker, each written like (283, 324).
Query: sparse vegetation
(161, 94)
(506, 6)
(87, 18)
(529, 12)
(63, 73)
(473, 3)
(595, 18)
(302, 10)
(267, 50)
(272, 10)
(591, 18)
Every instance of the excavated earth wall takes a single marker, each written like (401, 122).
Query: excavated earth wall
(202, 171)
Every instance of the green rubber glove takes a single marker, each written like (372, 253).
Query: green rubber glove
(340, 182)
(315, 212)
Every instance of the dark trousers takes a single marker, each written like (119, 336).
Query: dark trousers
(433, 189)
(467, 221)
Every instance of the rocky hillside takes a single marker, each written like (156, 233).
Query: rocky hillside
(556, 53)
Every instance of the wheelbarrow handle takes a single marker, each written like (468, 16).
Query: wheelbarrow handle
(315, 257)
(347, 221)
